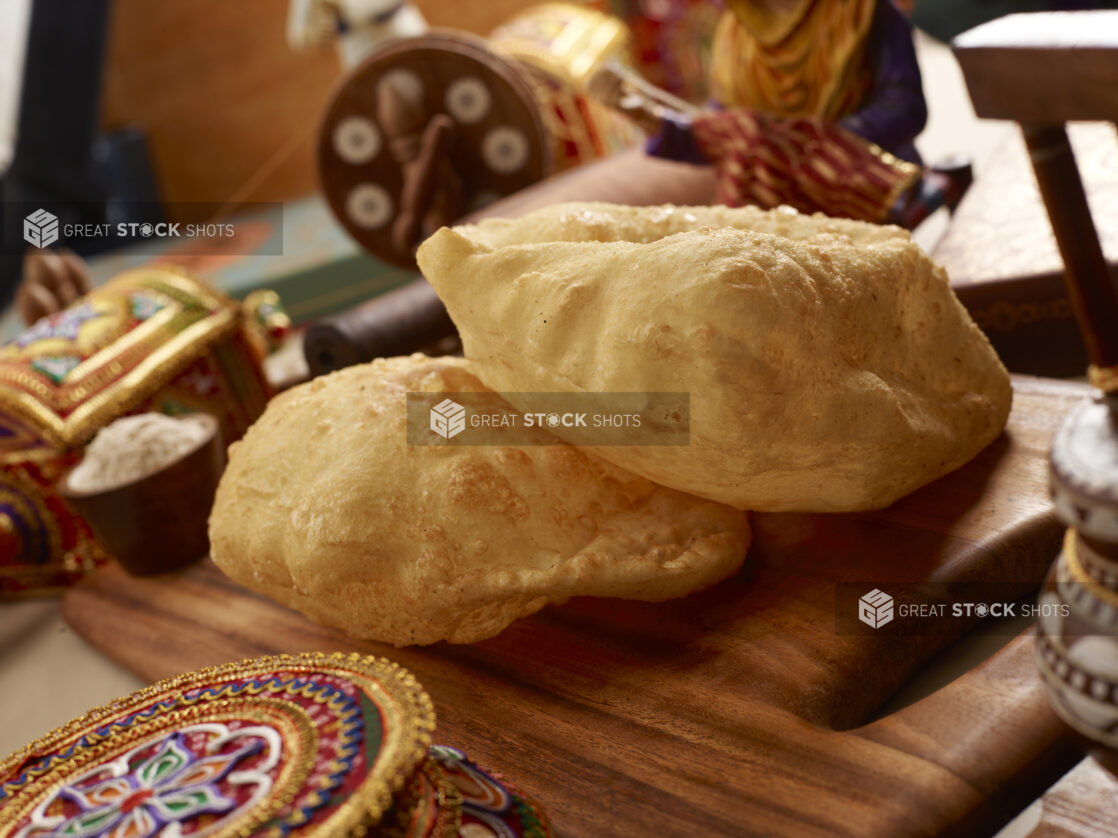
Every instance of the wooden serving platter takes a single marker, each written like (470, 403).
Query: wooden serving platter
(737, 711)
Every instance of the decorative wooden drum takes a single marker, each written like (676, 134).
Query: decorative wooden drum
(424, 131)
(432, 128)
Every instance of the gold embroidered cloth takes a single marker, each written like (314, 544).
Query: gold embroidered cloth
(151, 339)
(810, 164)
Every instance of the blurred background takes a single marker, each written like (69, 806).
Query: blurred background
(201, 106)
(204, 107)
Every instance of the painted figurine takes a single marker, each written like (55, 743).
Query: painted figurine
(816, 105)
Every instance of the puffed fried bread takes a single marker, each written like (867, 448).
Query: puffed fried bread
(829, 365)
(326, 509)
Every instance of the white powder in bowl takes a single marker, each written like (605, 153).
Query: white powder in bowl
(135, 446)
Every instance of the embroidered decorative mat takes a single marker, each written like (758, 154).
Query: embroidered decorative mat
(289, 745)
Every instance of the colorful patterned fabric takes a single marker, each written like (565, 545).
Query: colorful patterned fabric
(72, 373)
(671, 42)
(150, 340)
(44, 547)
(429, 807)
(810, 164)
(806, 61)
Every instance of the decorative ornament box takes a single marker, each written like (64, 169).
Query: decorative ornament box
(149, 340)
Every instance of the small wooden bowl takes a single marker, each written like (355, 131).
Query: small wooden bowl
(157, 522)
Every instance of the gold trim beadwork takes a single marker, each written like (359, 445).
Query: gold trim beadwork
(409, 720)
(1079, 572)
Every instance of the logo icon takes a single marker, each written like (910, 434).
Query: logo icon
(875, 609)
(40, 228)
(448, 419)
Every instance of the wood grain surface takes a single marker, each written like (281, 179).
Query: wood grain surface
(1082, 805)
(1002, 258)
(1043, 69)
(737, 711)
(225, 102)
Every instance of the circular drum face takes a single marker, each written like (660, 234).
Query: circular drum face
(499, 144)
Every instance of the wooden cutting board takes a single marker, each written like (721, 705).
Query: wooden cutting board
(738, 711)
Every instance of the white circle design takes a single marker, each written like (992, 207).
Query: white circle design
(369, 206)
(356, 140)
(407, 84)
(505, 149)
(468, 100)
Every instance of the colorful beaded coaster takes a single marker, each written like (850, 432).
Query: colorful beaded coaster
(328, 746)
(292, 745)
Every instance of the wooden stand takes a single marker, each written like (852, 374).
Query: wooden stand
(1002, 257)
(1043, 71)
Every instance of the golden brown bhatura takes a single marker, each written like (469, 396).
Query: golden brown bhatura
(326, 509)
(829, 365)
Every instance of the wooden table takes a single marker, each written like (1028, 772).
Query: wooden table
(737, 711)
(1002, 258)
